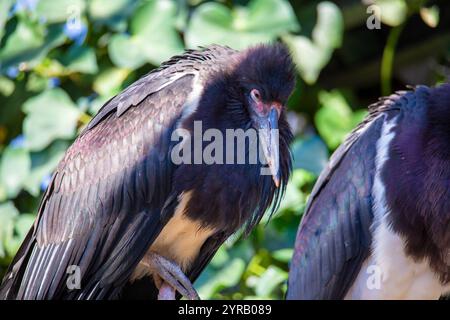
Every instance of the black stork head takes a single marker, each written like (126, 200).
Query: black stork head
(258, 82)
(266, 78)
(247, 91)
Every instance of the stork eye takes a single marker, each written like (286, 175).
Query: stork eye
(256, 96)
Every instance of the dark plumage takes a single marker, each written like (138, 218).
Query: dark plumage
(377, 223)
(117, 193)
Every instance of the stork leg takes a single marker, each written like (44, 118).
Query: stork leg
(170, 278)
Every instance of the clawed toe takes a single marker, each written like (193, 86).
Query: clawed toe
(173, 278)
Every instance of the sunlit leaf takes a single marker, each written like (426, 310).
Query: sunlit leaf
(153, 36)
(42, 164)
(27, 45)
(228, 276)
(50, 115)
(8, 213)
(311, 56)
(329, 28)
(270, 280)
(430, 16)
(80, 59)
(22, 224)
(283, 255)
(14, 169)
(60, 10)
(126, 51)
(6, 86)
(5, 5)
(260, 21)
(111, 12)
(335, 119)
(393, 12)
(109, 82)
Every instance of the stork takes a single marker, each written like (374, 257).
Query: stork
(129, 219)
(377, 223)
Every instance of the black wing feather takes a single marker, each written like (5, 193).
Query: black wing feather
(110, 185)
(334, 236)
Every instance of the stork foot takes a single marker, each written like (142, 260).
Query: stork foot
(171, 278)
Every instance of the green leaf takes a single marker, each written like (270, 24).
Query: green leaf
(228, 276)
(153, 38)
(329, 29)
(22, 44)
(240, 27)
(14, 169)
(51, 115)
(220, 258)
(126, 51)
(311, 56)
(59, 11)
(283, 255)
(8, 213)
(111, 12)
(270, 280)
(42, 164)
(430, 16)
(6, 86)
(5, 5)
(393, 12)
(109, 82)
(294, 198)
(22, 225)
(335, 119)
(28, 45)
(80, 59)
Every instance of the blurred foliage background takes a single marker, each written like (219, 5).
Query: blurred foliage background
(61, 60)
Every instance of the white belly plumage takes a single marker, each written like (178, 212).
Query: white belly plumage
(389, 273)
(180, 240)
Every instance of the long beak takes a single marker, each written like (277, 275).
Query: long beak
(268, 137)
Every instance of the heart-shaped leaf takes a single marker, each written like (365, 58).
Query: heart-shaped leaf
(311, 56)
(42, 164)
(5, 5)
(126, 51)
(8, 213)
(61, 10)
(109, 12)
(261, 21)
(393, 12)
(227, 276)
(80, 59)
(329, 29)
(14, 169)
(50, 115)
(28, 44)
(270, 280)
(335, 119)
(153, 37)
(430, 16)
